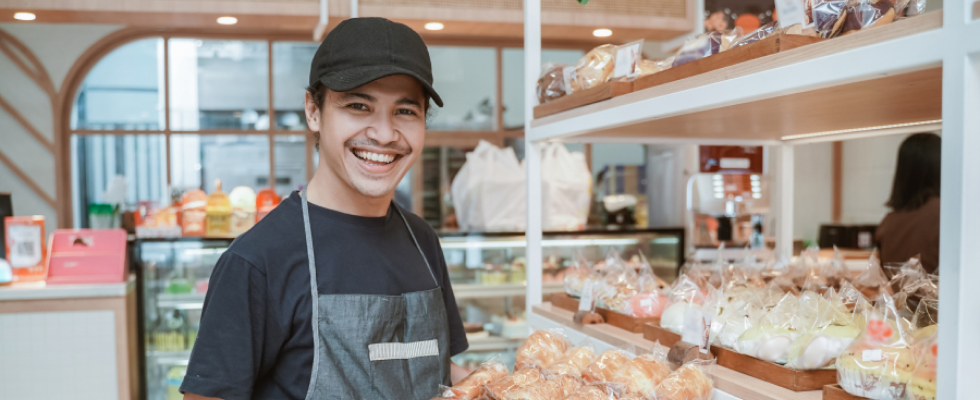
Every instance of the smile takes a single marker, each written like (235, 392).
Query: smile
(376, 158)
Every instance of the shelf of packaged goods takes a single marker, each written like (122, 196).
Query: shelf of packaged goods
(479, 291)
(169, 357)
(730, 383)
(184, 301)
(495, 343)
(885, 79)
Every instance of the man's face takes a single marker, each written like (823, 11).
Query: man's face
(372, 135)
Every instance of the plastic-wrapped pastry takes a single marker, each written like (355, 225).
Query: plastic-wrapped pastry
(573, 362)
(499, 388)
(551, 85)
(756, 35)
(592, 392)
(689, 382)
(706, 44)
(604, 368)
(646, 305)
(879, 364)
(922, 386)
(540, 350)
(777, 330)
(576, 275)
(595, 68)
(867, 14)
(557, 388)
(471, 386)
(641, 375)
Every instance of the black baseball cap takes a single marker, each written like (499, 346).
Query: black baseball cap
(362, 50)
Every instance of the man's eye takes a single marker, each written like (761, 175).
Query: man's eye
(405, 111)
(358, 106)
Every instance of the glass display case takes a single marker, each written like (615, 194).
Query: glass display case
(486, 271)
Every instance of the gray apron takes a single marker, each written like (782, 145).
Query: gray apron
(377, 346)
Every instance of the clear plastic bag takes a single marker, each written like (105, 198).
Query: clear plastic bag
(593, 392)
(556, 388)
(756, 35)
(872, 281)
(541, 349)
(831, 329)
(605, 366)
(573, 361)
(684, 294)
(922, 385)
(879, 363)
(619, 283)
(641, 375)
(551, 84)
(689, 382)
(864, 14)
(576, 274)
(775, 333)
(498, 389)
(706, 44)
(595, 68)
(471, 386)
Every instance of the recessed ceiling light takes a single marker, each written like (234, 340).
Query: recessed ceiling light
(25, 16)
(434, 26)
(602, 33)
(227, 20)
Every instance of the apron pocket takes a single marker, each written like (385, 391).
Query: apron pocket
(403, 351)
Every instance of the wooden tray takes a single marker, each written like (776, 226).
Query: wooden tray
(835, 392)
(599, 93)
(775, 374)
(622, 321)
(768, 46)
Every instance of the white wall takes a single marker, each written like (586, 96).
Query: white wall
(812, 189)
(57, 47)
(869, 168)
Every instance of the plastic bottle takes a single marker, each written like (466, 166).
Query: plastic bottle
(265, 202)
(243, 204)
(218, 213)
(193, 212)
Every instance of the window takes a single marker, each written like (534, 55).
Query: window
(465, 78)
(513, 72)
(122, 92)
(290, 76)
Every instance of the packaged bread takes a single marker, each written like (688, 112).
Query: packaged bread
(592, 392)
(551, 85)
(471, 386)
(706, 44)
(540, 350)
(757, 34)
(595, 68)
(922, 385)
(573, 361)
(499, 388)
(879, 363)
(689, 382)
(557, 388)
(641, 375)
(604, 368)
(865, 14)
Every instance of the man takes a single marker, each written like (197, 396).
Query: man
(338, 293)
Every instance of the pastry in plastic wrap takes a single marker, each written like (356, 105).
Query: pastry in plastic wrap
(777, 330)
(689, 382)
(471, 386)
(592, 392)
(641, 375)
(828, 16)
(646, 305)
(604, 368)
(501, 387)
(557, 388)
(756, 35)
(573, 362)
(879, 363)
(705, 45)
(922, 386)
(595, 68)
(540, 350)
(551, 85)
(867, 14)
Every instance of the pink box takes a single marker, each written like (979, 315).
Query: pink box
(87, 256)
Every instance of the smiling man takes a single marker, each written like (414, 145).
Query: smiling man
(338, 293)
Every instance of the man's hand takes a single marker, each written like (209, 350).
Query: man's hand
(192, 396)
(456, 373)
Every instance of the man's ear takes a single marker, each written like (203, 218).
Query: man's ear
(312, 113)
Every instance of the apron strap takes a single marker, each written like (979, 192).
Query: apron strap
(314, 302)
(414, 240)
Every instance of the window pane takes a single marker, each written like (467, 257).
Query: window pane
(98, 159)
(290, 76)
(290, 163)
(514, 80)
(465, 78)
(122, 92)
(196, 161)
(219, 84)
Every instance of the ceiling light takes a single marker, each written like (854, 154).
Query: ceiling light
(738, 198)
(602, 33)
(756, 190)
(434, 26)
(756, 195)
(717, 177)
(756, 183)
(855, 130)
(719, 195)
(25, 16)
(719, 189)
(754, 177)
(718, 183)
(227, 20)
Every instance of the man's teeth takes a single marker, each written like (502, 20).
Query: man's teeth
(379, 158)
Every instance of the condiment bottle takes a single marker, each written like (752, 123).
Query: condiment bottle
(193, 212)
(218, 213)
(266, 201)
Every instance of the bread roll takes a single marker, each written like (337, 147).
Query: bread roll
(500, 387)
(604, 368)
(558, 388)
(540, 350)
(687, 383)
(595, 68)
(641, 375)
(573, 362)
(591, 392)
(471, 386)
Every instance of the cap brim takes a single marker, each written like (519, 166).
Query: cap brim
(354, 78)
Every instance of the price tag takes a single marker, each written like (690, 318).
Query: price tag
(697, 328)
(628, 60)
(790, 13)
(25, 245)
(588, 297)
(871, 355)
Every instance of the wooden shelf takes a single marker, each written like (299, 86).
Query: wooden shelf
(727, 380)
(800, 97)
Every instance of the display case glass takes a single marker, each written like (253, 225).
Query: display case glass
(486, 271)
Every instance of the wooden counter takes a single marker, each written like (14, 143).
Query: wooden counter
(731, 382)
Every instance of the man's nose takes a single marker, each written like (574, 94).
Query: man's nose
(382, 130)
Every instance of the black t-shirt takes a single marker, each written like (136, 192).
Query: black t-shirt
(255, 338)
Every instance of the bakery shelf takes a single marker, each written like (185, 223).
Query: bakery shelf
(730, 382)
(796, 94)
(477, 291)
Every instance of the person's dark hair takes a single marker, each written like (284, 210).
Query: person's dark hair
(917, 172)
(319, 92)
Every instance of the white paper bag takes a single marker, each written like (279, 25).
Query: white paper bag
(566, 188)
(489, 192)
